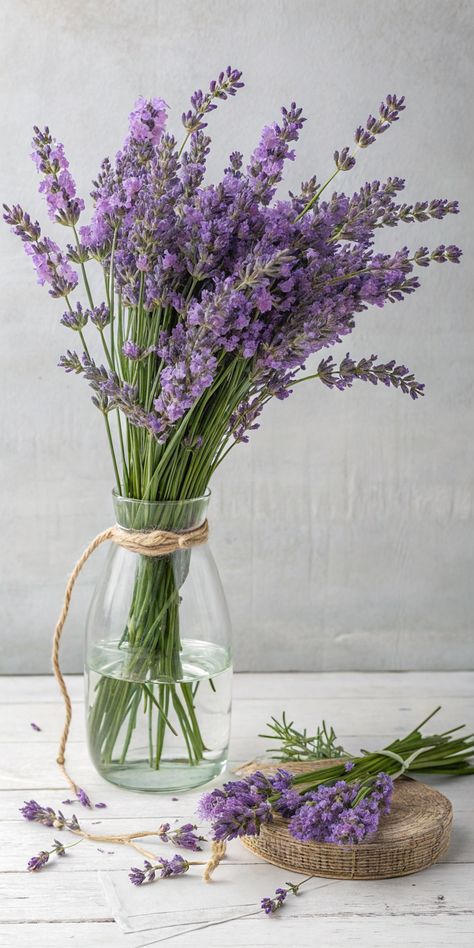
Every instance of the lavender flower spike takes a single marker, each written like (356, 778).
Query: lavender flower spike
(183, 836)
(38, 862)
(240, 808)
(36, 813)
(186, 837)
(57, 185)
(39, 814)
(270, 906)
(166, 868)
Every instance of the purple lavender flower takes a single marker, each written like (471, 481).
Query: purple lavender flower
(139, 876)
(147, 120)
(132, 351)
(183, 836)
(175, 866)
(99, 316)
(343, 812)
(50, 263)
(389, 112)
(57, 184)
(239, 809)
(58, 849)
(71, 362)
(270, 906)
(202, 103)
(75, 319)
(36, 813)
(266, 164)
(226, 291)
(83, 798)
(35, 726)
(38, 862)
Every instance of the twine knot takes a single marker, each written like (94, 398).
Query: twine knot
(158, 542)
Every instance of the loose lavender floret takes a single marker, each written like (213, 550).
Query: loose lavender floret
(86, 801)
(35, 726)
(83, 798)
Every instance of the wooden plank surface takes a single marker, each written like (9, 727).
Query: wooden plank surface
(65, 903)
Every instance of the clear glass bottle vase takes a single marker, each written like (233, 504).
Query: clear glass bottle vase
(158, 663)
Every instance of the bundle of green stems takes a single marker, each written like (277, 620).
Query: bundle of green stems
(445, 754)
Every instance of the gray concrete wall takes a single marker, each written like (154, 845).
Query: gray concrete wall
(344, 531)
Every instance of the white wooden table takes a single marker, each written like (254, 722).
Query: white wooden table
(64, 904)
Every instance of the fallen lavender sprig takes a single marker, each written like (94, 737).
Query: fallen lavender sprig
(41, 859)
(35, 727)
(341, 803)
(183, 836)
(272, 905)
(165, 868)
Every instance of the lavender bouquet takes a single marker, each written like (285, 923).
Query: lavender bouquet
(215, 296)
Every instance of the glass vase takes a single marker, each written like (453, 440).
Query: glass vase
(158, 663)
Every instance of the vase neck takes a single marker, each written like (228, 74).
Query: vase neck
(170, 515)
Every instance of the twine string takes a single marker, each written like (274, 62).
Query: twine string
(144, 542)
(405, 762)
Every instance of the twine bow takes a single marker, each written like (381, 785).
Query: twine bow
(405, 762)
(145, 542)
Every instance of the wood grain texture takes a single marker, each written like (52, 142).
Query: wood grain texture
(65, 905)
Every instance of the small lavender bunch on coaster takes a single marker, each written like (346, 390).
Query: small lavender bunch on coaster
(341, 803)
(215, 297)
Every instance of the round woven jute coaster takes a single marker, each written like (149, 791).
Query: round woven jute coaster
(413, 836)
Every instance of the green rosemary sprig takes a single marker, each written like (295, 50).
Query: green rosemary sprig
(299, 745)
